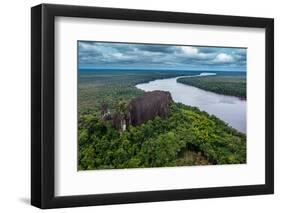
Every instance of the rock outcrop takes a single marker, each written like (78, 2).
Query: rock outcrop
(140, 110)
(149, 106)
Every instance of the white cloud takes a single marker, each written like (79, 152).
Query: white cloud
(224, 58)
(194, 52)
(86, 46)
(119, 55)
(190, 51)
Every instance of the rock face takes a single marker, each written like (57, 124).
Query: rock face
(105, 113)
(119, 121)
(148, 106)
(140, 110)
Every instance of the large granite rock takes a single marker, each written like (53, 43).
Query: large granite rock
(148, 106)
(140, 110)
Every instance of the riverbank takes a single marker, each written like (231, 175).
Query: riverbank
(225, 85)
(187, 137)
(230, 109)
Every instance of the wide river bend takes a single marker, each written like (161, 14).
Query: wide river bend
(230, 109)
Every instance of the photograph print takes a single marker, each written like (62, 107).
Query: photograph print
(160, 105)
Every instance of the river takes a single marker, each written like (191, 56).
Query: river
(230, 109)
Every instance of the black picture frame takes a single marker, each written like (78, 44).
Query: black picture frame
(43, 102)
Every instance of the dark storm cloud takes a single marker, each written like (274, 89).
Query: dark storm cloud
(106, 54)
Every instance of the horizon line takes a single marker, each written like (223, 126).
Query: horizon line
(169, 69)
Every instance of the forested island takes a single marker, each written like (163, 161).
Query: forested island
(234, 85)
(186, 136)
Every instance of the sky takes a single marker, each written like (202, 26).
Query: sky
(109, 55)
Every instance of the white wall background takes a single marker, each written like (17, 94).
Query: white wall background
(15, 105)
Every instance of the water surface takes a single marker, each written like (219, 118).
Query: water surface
(230, 109)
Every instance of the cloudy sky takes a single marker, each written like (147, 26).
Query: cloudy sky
(97, 55)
